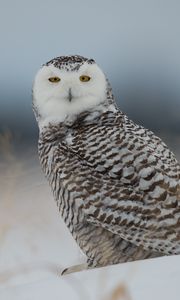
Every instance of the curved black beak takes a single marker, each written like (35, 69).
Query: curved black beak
(69, 95)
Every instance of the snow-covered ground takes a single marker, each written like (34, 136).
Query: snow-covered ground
(35, 246)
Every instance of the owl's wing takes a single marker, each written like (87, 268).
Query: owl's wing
(127, 211)
(121, 149)
(151, 139)
(152, 224)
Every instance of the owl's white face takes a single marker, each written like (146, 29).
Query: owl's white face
(58, 93)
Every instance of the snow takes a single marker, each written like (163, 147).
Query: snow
(35, 246)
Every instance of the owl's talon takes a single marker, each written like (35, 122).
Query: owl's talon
(73, 269)
(64, 272)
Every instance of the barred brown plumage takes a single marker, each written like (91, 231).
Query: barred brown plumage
(116, 184)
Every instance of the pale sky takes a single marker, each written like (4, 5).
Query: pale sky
(136, 43)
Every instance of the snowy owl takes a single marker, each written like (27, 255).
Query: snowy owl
(116, 184)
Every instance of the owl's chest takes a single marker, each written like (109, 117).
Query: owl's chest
(106, 149)
(59, 172)
(95, 142)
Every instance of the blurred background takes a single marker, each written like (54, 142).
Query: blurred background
(137, 45)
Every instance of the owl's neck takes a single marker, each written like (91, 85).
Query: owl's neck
(87, 116)
(55, 134)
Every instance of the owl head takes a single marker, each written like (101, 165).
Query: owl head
(66, 86)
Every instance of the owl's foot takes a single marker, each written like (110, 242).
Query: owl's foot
(74, 269)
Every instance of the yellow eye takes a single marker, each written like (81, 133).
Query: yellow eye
(54, 79)
(84, 78)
